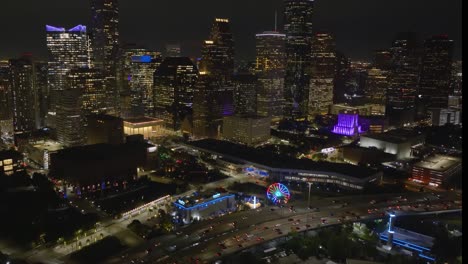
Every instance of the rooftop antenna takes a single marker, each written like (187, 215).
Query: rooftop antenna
(276, 14)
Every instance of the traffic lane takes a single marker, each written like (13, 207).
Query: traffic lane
(268, 235)
(318, 203)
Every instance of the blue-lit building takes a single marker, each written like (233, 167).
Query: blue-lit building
(201, 206)
(140, 79)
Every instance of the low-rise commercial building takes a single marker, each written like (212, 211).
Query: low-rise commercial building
(93, 167)
(146, 126)
(201, 206)
(436, 169)
(398, 142)
(284, 168)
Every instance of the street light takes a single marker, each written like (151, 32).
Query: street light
(308, 203)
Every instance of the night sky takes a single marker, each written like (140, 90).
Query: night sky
(360, 26)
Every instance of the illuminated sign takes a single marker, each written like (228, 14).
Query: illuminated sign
(144, 58)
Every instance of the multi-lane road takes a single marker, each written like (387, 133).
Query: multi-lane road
(207, 241)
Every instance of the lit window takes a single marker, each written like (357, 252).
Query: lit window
(7, 161)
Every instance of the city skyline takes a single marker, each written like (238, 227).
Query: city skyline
(154, 24)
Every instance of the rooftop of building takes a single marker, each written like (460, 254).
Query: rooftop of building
(439, 162)
(48, 145)
(140, 120)
(197, 199)
(274, 160)
(101, 151)
(104, 117)
(169, 65)
(247, 116)
(396, 136)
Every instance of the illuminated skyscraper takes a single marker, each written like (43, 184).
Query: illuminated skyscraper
(142, 69)
(218, 51)
(341, 77)
(105, 43)
(322, 74)
(403, 80)
(70, 118)
(298, 29)
(376, 86)
(245, 94)
(41, 69)
(23, 94)
(92, 85)
(270, 68)
(6, 123)
(434, 84)
(213, 93)
(174, 82)
(68, 49)
(125, 62)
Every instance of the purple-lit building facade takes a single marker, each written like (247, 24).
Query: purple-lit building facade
(347, 125)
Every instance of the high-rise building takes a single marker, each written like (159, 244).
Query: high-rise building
(341, 77)
(246, 130)
(403, 80)
(92, 85)
(456, 81)
(434, 84)
(105, 44)
(173, 50)
(104, 129)
(382, 59)
(322, 74)
(124, 65)
(212, 100)
(70, 119)
(270, 69)
(376, 86)
(298, 29)
(41, 69)
(141, 78)
(68, 49)
(174, 82)
(218, 51)
(213, 93)
(6, 122)
(23, 94)
(246, 86)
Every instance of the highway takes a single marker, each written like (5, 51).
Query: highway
(210, 240)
